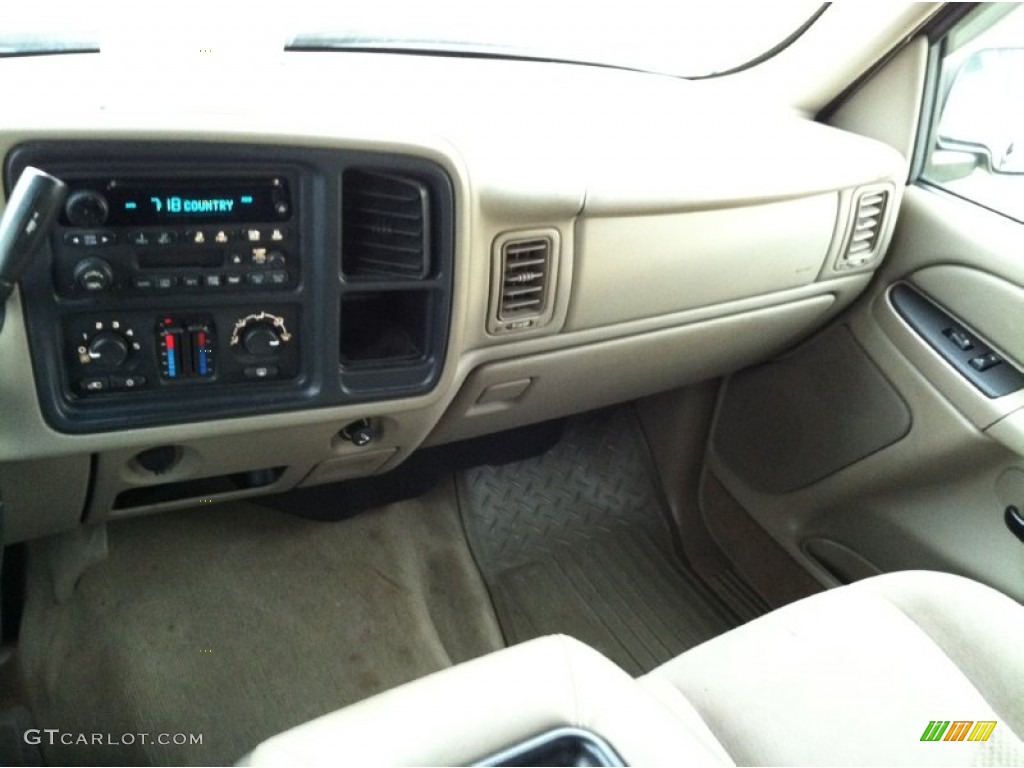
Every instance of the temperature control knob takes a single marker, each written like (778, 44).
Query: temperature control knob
(261, 334)
(94, 275)
(108, 349)
(261, 340)
(86, 208)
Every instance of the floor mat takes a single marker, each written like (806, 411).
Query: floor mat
(577, 541)
(236, 622)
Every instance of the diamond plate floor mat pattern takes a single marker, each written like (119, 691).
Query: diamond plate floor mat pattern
(577, 541)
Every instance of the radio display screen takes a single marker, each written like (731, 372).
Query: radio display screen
(153, 202)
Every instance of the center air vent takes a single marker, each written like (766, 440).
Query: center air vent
(524, 267)
(385, 226)
(865, 238)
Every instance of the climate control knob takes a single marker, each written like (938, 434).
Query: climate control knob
(94, 275)
(108, 349)
(86, 208)
(260, 335)
(261, 340)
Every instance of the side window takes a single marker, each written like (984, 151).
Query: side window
(977, 142)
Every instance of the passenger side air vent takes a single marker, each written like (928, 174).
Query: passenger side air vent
(866, 233)
(523, 280)
(385, 226)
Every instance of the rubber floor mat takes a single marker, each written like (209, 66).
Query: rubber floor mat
(577, 541)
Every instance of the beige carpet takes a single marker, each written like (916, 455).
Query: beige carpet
(236, 622)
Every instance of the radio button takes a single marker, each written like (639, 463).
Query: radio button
(196, 237)
(236, 259)
(233, 279)
(94, 274)
(221, 236)
(252, 234)
(144, 282)
(277, 234)
(86, 208)
(89, 239)
(214, 281)
(166, 237)
(140, 238)
(278, 277)
(165, 282)
(257, 278)
(191, 281)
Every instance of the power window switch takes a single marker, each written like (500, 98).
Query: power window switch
(960, 337)
(984, 362)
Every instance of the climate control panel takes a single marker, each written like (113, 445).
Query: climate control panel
(119, 353)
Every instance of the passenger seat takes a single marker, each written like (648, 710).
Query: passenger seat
(911, 668)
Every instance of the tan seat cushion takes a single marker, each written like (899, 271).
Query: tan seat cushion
(853, 676)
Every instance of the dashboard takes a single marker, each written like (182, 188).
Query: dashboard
(254, 294)
(195, 283)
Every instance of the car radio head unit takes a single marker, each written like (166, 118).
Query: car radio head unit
(150, 202)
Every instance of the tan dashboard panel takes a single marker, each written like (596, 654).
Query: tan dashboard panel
(43, 496)
(632, 267)
(555, 384)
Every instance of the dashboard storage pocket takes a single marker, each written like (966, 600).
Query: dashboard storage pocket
(199, 489)
(389, 326)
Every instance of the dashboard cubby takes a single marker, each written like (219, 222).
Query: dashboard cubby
(387, 327)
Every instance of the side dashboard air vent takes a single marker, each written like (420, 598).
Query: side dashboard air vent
(385, 226)
(523, 281)
(866, 234)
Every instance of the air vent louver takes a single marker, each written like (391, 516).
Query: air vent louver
(867, 229)
(525, 265)
(385, 226)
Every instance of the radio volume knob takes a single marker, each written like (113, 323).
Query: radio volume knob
(86, 208)
(94, 275)
(108, 349)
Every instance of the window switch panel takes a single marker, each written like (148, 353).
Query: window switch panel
(969, 355)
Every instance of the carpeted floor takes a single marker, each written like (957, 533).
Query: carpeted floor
(577, 541)
(237, 622)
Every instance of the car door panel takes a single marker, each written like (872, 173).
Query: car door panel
(934, 498)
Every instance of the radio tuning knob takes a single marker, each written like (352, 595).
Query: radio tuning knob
(94, 274)
(108, 349)
(86, 208)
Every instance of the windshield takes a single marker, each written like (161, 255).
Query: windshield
(683, 39)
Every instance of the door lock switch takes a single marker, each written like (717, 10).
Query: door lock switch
(960, 337)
